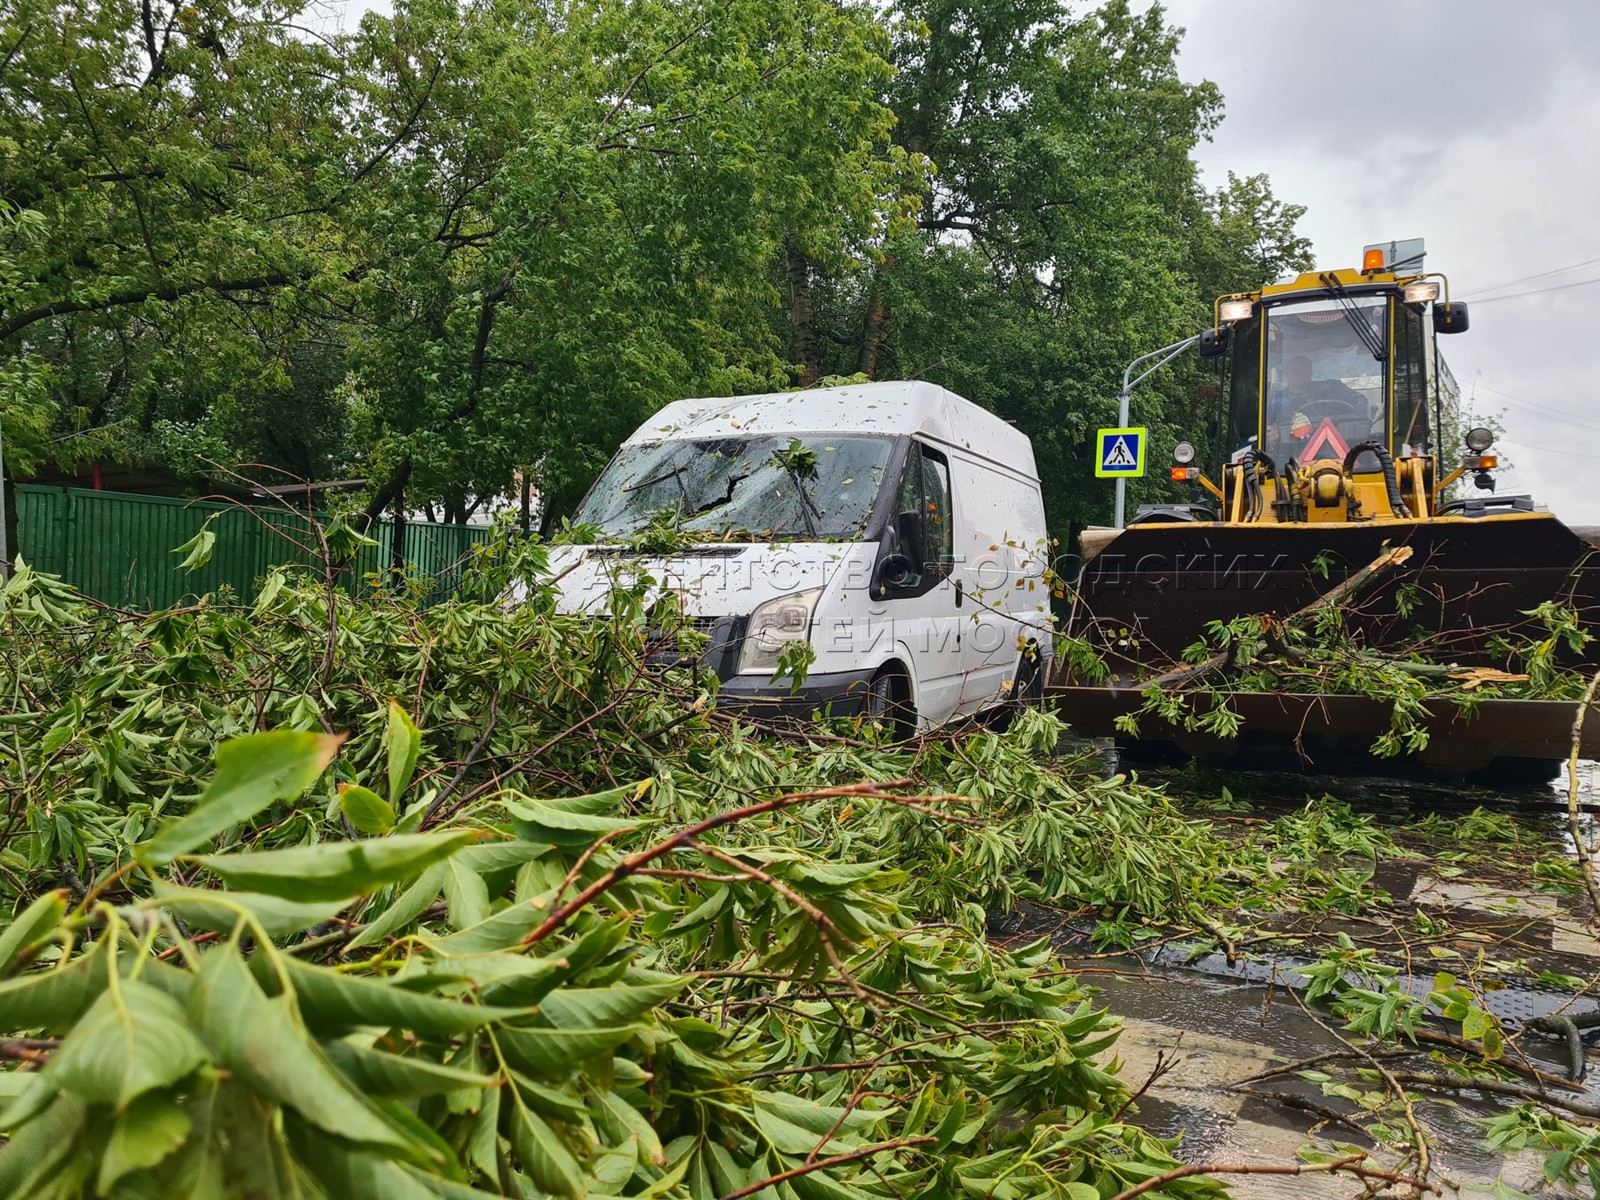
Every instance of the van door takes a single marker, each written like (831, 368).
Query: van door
(983, 575)
(921, 611)
(1000, 569)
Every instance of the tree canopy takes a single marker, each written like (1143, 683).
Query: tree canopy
(464, 242)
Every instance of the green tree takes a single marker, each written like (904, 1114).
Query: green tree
(581, 227)
(1063, 233)
(170, 175)
(1242, 236)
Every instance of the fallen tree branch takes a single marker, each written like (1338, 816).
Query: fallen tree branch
(1499, 1088)
(1344, 1166)
(685, 836)
(1580, 845)
(1349, 589)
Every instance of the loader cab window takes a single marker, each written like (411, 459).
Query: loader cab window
(1325, 379)
(1412, 432)
(1244, 386)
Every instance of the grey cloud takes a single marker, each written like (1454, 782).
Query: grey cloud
(1369, 75)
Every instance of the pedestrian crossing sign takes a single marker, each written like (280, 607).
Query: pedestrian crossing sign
(1121, 453)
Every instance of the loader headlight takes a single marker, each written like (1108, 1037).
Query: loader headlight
(1183, 454)
(1421, 292)
(1479, 440)
(774, 627)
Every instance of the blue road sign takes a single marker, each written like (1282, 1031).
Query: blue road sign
(1121, 453)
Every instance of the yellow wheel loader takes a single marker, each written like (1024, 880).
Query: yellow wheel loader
(1330, 476)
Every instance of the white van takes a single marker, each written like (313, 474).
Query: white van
(895, 526)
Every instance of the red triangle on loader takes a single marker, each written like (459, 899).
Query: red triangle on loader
(1326, 433)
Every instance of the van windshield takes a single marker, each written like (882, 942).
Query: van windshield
(807, 488)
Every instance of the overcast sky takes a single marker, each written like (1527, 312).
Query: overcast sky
(1475, 125)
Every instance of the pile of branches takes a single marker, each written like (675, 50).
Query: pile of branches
(317, 897)
(1315, 650)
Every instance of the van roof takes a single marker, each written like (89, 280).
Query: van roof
(897, 407)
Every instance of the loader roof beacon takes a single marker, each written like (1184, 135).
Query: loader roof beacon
(1329, 446)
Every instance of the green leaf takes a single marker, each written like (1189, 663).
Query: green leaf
(501, 931)
(367, 811)
(252, 772)
(558, 1051)
(622, 1121)
(465, 895)
(133, 1039)
(587, 1008)
(816, 1118)
(487, 858)
(944, 1133)
(264, 1043)
(351, 1171)
(378, 1073)
(404, 743)
(573, 822)
(153, 1127)
(407, 907)
(820, 1185)
(41, 1146)
(197, 549)
(335, 870)
(55, 998)
(31, 929)
(544, 1156)
(333, 1002)
(205, 908)
(516, 979)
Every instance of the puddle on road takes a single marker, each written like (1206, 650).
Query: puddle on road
(1219, 1034)
(1221, 1023)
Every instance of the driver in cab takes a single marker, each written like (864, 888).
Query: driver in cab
(1301, 405)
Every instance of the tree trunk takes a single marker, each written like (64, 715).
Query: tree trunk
(801, 318)
(384, 496)
(877, 313)
(11, 528)
(525, 516)
(397, 547)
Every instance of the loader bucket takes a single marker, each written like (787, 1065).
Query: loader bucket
(1151, 590)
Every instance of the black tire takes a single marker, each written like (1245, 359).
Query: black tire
(888, 701)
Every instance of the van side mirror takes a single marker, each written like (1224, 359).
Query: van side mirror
(908, 533)
(894, 571)
(1449, 318)
(1213, 343)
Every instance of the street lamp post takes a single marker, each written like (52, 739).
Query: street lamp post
(1166, 354)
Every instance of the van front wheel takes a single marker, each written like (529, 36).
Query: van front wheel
(888, 702)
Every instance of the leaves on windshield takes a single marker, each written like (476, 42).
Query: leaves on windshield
(739, 489)
(797, 457)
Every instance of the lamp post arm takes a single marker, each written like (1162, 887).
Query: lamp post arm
(1165, 355)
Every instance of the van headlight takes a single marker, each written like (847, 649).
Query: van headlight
(774, 627)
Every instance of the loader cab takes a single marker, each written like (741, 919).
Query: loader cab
(1313, 376)
(1330, 362)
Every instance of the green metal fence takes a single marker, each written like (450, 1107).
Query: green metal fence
(118, 547)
